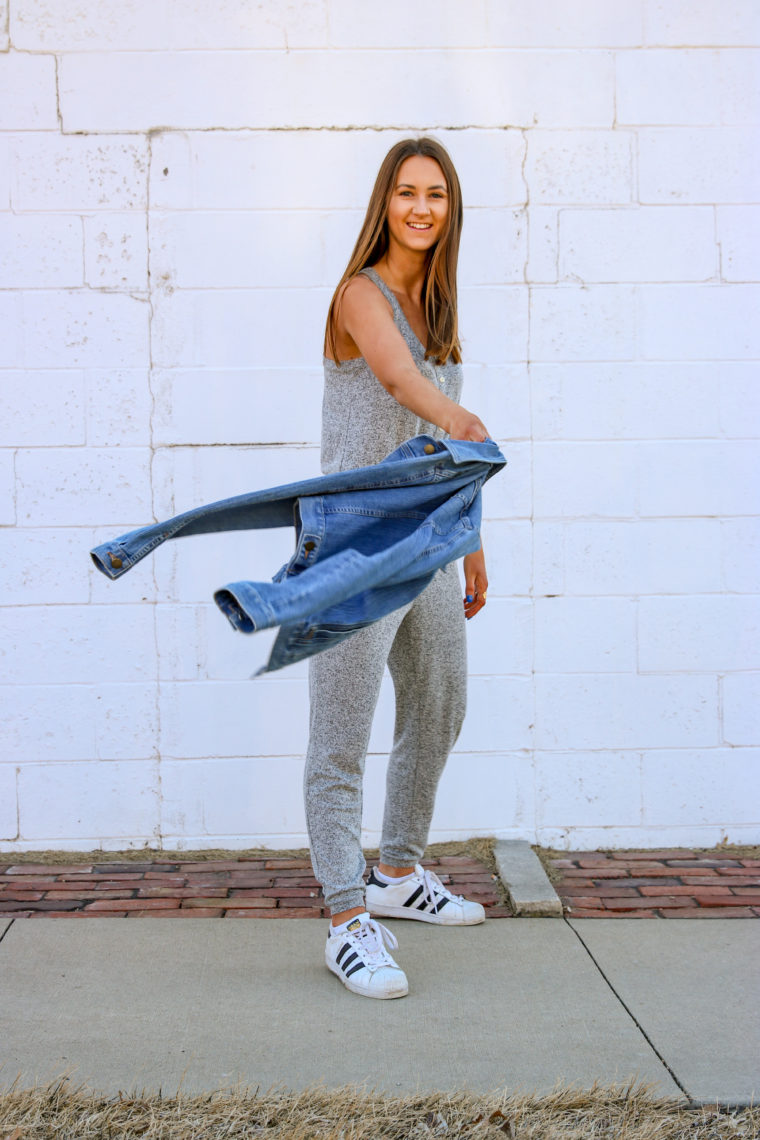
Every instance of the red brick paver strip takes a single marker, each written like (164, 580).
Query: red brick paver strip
(672, 883)
(223, 888)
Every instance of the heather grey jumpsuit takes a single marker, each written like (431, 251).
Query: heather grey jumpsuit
(423, 644)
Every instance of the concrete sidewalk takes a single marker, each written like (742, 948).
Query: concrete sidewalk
(515, 1004)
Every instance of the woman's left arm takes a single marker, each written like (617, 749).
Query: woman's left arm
(475, 582)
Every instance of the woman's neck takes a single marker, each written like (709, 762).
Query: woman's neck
(403, 272)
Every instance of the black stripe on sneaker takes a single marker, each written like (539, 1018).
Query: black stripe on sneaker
(341, 952)
(440, 905)
(351, 958)
(413, 898)
(358, 966)
(372, 881)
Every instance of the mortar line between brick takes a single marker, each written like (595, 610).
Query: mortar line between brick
(58, 113)
(378, 128)
(632, 1015)
(158, 828)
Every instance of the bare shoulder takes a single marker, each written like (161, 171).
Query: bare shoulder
(360, 296)
(362, 318)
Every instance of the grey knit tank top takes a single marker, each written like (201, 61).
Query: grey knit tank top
(361, 422)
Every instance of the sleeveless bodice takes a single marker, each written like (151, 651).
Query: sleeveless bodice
(361, 422)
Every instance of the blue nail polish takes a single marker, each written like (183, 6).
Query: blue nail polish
(468, 598)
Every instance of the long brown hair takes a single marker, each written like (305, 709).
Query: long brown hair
(439, 289)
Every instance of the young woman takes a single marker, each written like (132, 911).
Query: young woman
(392, 370)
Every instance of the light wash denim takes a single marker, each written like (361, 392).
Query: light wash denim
(368, 540)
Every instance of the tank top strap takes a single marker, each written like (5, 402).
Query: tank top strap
(399, 315)
(388, 293)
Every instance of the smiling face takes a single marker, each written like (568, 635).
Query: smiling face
(419, 204)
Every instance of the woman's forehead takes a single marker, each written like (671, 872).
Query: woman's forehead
(420, 169)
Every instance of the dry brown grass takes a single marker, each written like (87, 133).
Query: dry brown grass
(478, 848)
(62, 1111)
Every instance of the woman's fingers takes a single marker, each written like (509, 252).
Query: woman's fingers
(473, 602)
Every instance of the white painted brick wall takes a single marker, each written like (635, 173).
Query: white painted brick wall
(88, 644)
(27, 92)
(48, 412)
(699, 322)
(699, 634)
(181, 183)
(585, 635)
(119, 403)
(237, 406)
(687, 87)
(169, 24)
(634, 557)
(654, 243)
(740, 544)
(698, 164)
(8, 801)
(116, 251)
(78, 722)
(7, 498)
(74, 486)
(598, 789)
(652, 400)
(741, 708)
(29, 576)
(54, 172)
(57, 245)
(582, 167)
(115, 800)
(681, 787)
(66, 329)
(580, 323)
(143, 91)
(619, 710)
(739, 241)
(701, 23)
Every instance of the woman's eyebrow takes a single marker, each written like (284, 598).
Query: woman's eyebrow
(411, 186)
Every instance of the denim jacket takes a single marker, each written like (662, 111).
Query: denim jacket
(368, 540)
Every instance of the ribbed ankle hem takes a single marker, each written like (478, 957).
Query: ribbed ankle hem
(345, 900)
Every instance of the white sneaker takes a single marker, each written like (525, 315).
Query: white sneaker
(422, 896)
(358, 957)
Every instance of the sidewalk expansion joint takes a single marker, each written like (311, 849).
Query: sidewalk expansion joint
(5, 931)
(635, 1020)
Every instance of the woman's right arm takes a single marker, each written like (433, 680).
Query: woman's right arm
(366, 318)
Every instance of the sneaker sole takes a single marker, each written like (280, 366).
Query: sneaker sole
(420, 916)
(352, 986)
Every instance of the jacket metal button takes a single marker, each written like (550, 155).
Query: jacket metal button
(115, 562)
(429, 448)
(309, 545)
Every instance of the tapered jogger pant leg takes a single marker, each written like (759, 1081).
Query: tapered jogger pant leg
(424, 646)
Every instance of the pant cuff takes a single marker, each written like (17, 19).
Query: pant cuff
(344, 900)
(395, 858)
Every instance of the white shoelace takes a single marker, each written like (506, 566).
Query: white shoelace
(371, 939)
(430, 884)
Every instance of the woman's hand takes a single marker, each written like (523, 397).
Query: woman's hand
(476, 583)
(466, 425)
